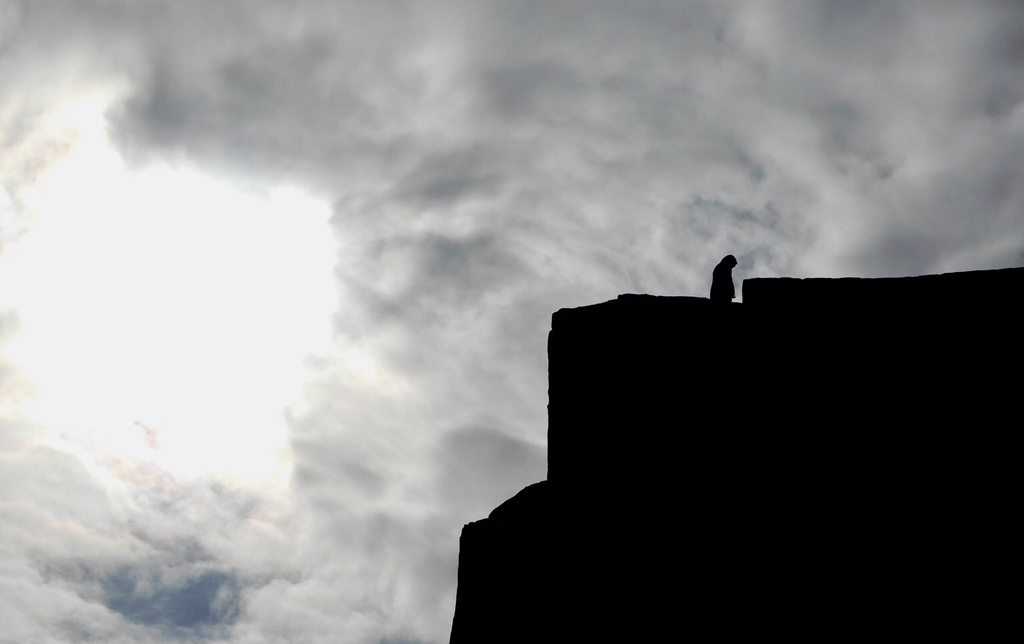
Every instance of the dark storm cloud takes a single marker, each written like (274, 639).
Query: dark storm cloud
(335, 466)
(520, 92)
(903, 99)
(444, 179)
(424, 280)
(252, 108)
(481, 467)
(317, 92)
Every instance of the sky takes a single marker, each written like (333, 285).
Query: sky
(276, 276)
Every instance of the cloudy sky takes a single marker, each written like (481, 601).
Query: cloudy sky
(276, 276)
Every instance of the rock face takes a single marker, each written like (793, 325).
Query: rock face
(831, 457)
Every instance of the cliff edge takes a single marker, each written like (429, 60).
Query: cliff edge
(831, 457)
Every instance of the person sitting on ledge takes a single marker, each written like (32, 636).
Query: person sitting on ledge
(722, 289)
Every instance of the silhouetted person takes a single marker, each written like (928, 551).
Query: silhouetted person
(721, 281)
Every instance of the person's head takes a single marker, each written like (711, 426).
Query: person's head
(729, 261)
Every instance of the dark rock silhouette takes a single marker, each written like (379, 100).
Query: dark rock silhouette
(858, 476)
(722, 289)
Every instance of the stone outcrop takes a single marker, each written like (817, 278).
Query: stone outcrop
(830, 457)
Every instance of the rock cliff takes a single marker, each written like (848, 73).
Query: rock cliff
(831, 457)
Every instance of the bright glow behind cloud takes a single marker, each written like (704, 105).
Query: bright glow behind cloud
(167, 302)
